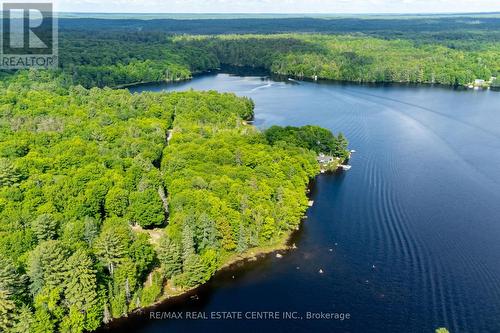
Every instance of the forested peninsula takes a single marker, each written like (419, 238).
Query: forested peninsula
(110, 201)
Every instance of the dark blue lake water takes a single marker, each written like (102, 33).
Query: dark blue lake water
(408, 239)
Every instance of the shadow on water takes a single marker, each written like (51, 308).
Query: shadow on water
(197, 299)
(407, 239)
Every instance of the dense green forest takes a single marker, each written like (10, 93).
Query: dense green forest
(454, 30)
(108, 196)
(309, 137)
(123, 58)
(350, 58)
(114, 58)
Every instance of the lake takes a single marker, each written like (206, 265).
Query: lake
(408, 239)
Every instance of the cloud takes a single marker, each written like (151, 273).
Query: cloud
(278, 6)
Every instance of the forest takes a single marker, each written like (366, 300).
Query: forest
(110, 200)
(453, 30)
(353, 59)
(116, 57)
(310, 137)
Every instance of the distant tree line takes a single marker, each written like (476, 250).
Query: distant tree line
(462, 31)
(119, 58)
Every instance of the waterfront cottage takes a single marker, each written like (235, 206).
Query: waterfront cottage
(325, 159)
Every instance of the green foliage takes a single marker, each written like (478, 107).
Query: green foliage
(81, 285)
(7, 308)
(45, 227)
(25, 321)
(43, 322)
(221, 176)
(170, 257)
(90, 230)
(193, 272)
(49, 310)
(111, 245)
(116, 202)
(314, 138)
(47, 266)
(81, 168)
(73, 322)
(353, 58)
(12, 282)
(111, 62)
(152, 290)
(456, 59)
(146, 209)
(9, 174)
(143, 255)
(118, 305)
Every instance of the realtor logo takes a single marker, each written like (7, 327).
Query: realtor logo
(28, 36)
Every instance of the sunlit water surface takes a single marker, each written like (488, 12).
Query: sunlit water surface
(408, 239)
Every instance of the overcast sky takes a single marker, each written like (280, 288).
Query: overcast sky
(278, 6)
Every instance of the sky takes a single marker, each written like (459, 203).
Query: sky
(278, 6)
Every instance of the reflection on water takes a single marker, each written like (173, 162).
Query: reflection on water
(408, 239)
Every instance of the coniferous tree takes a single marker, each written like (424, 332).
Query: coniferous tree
(91, 230)
(47, 265)
(242, 244)
(193, 270)
(25, 321)
(43, 322)
(7, 308)
(125, 280)
(11, 280)
(187, 242)
(110, 248)
(208, 232)
(81, 285)
(73, 322)
(212, 196)
(45, 227)
(170, 257)
(9, 175)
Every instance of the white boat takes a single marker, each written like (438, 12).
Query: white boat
(353, 151)
(346, 167)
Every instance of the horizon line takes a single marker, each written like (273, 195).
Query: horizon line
(274, 13)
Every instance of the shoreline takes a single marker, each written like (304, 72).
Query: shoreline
(254, 254)
(180, 80)
(260, 71)
(171, 296)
